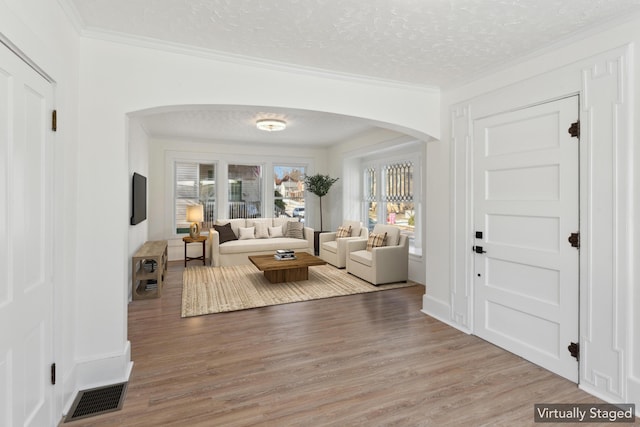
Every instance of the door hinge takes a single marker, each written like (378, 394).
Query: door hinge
(54, 120)
(53, 374)
(574, 350)
(574, 239)
(574, 130)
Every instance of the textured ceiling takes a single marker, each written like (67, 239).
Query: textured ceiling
(418, 42)
(426, 42)
(237, 124)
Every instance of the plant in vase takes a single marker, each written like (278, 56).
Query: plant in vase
(319, 185)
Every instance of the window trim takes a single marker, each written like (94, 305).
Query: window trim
(221, 160)
(378, 163)
(174, 196)
(225, 183)
(302, 165)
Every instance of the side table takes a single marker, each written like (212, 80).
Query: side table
(316, 242)
(199, 239)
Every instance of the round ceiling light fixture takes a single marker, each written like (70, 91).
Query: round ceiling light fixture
(271, 125)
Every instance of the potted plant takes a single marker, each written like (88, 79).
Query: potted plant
(319, 185)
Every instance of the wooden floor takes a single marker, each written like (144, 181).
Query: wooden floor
(361, 360)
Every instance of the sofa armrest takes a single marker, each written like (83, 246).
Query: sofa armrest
(308, 235)
(343, 245)
(392, 257)
(356, 245)
(214, 247)
(327, 237)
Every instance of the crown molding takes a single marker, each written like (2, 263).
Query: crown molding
(179, 48)
(69, 9)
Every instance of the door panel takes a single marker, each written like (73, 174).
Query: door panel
(26, 285)
(526, 205)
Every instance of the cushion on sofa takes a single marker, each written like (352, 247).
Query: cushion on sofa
(262, 245)
(276, 231)
(392, 231)
(283, 221)
(235, 224)
(362, 257)
(355, 227)
(343, 231)
(247, 233)
(376, 240)
(295, 230)
(331, 246)
(262, 227)
(225, 232)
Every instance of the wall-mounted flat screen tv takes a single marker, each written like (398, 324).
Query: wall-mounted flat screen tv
(139, 199)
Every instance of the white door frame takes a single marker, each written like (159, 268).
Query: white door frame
(45, 335)
(606, 268)
(555, 356)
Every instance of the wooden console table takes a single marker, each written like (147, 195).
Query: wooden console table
(149, 266)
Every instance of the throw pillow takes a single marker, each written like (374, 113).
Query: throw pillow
(225, 232)
(247, 233)
(294, 230)
(262, 231)
(275, 231)
(376, 240)
(343, 232)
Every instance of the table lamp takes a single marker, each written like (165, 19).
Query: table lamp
(195, 215)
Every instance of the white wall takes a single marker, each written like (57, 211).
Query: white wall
(346, 192)
(601, 67)
(138, 143)
(41, 31)
(117, 79)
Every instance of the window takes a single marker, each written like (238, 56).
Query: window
(391, 202)
(245, 191)
(398, 196)
(195, 184)
(288, 191)
(370, 197)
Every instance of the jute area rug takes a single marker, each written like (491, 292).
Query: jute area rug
(209, 290)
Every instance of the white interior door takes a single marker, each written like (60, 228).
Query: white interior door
(26, 289)
(526, 205)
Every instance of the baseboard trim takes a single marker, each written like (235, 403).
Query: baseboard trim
(633, 393)
(440, 311)
(98, 372)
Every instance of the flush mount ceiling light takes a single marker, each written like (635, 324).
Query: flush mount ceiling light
(271, 125)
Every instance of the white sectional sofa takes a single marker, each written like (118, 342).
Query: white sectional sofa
(268, 235)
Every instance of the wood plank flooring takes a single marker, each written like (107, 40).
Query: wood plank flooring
(361, 360)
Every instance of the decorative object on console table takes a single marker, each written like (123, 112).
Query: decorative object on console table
(195, 215)
(199, 239)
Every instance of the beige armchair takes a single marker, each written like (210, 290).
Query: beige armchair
(384, 264)
(334, 249)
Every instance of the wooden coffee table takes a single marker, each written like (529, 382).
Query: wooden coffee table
(291, 270)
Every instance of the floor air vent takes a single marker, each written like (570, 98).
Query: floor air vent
(97, 401)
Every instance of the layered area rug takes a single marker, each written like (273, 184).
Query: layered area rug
(209, 290)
